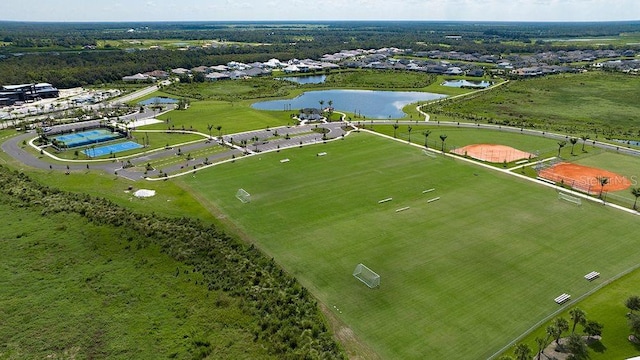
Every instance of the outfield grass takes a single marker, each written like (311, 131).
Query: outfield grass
(460, 137)
(74, 290)
(461, 276)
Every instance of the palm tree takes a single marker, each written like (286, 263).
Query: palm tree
(426, 134)
(578, 316)
(603, 180)
(542, 343)
(395, 128)
(219, 128)
(409, 128)
(573, 142)
(584, 138)
(321, 104)
(443, 137)
(561, 144)
(561, 325)
(209, 127)
(522, 352)
(635, 192)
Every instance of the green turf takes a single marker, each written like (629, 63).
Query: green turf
(233, 117)
(74, 290)
(607, 306)
(460, 276)
(570, 102)
(459, 137)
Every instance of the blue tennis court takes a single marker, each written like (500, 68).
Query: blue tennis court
(111, 149)
(87, 137)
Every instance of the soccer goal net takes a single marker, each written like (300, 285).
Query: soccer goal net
(367, 276)
(569, 198)
(428, 153)
(243, 196)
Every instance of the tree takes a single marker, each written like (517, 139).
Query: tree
(573, 142)
(633, 303)
(578, 316)
(219, 128)
(542, 343)
(634, 324)
(409, 128)
(560, 325)
(209, 127)
(426, 134)
(577, 347)
(636, 193)
(584, 138)
(561, 144)
(522, 352)
(603, 180)
(443, 137)
(395, 129)
(593, 328)
(321, 104)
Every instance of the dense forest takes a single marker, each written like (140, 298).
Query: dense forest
(289, 320)
(66, 55)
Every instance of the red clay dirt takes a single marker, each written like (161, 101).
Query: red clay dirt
(493, 153)
(585, 178)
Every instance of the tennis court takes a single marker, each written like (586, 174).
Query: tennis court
(87, 137)
(111, 149)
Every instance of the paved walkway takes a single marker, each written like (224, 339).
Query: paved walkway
(215, 150)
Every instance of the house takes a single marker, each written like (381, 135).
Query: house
(181, 71)
(475, 73)
(200, 69)
(291, 69)
(215, 76)
(158, 74)
(138, 78)
(310, 114)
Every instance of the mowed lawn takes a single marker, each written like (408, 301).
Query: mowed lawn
(460, 277)
(233, 117)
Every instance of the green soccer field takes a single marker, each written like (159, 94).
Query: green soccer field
(460, 276)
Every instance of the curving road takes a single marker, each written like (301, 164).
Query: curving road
(298, 135)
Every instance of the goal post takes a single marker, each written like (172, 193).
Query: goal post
(572, 199)
(367, 276)
(243, 196)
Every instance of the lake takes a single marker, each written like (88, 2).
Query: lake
(307, 79)
(158, 100)
(467, 84)
(371, 104)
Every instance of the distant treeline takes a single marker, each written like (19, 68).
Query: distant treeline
(55, 53)
(287, 317)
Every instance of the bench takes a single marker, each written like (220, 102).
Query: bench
(562, 298)
(592, 275)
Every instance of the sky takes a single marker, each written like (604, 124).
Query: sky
(250, 10)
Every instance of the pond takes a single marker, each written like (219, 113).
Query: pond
(628, 142)
(307, 79)
(467, 84)
(158, 100)
(368, 103)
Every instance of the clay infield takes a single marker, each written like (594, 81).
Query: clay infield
(493, 153)
(585, 178)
